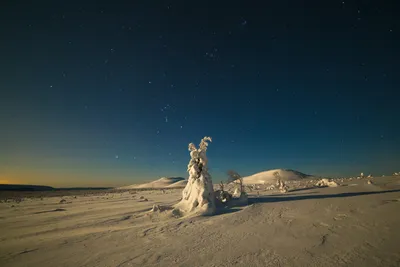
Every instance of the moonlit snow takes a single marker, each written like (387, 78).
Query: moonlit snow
(274, 218)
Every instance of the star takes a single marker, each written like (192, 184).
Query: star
(116, 156)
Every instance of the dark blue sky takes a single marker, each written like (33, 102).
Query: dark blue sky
(109, 94)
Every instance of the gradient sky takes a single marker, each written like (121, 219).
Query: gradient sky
(111, 94)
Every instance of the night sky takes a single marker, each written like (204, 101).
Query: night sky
(112, 93)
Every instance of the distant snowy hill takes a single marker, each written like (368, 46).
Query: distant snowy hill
(165, 182)
(181, 183)
(267, 177)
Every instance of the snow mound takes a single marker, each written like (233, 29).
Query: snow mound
(268, 177)
(326, 182)
(164, 182)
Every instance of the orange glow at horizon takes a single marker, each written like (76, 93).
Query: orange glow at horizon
(63, 179)
(9, 181)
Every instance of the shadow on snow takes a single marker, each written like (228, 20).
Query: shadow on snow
(272, 199)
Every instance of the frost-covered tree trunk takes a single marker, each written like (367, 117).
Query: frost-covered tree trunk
(198, 195)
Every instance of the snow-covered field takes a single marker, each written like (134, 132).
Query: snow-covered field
(354, 224)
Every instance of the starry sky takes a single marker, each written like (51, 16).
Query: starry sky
(108, 94)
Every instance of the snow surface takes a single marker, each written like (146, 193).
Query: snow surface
(330, 226)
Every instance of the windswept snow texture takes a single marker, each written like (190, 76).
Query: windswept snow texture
(268, 177)
(165, 182)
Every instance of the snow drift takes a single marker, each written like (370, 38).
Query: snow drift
(326, 182)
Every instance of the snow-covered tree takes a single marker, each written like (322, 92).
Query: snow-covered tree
(240, 195)
(221, 195)
(198, 196)
(234, 177)
(280, 183)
